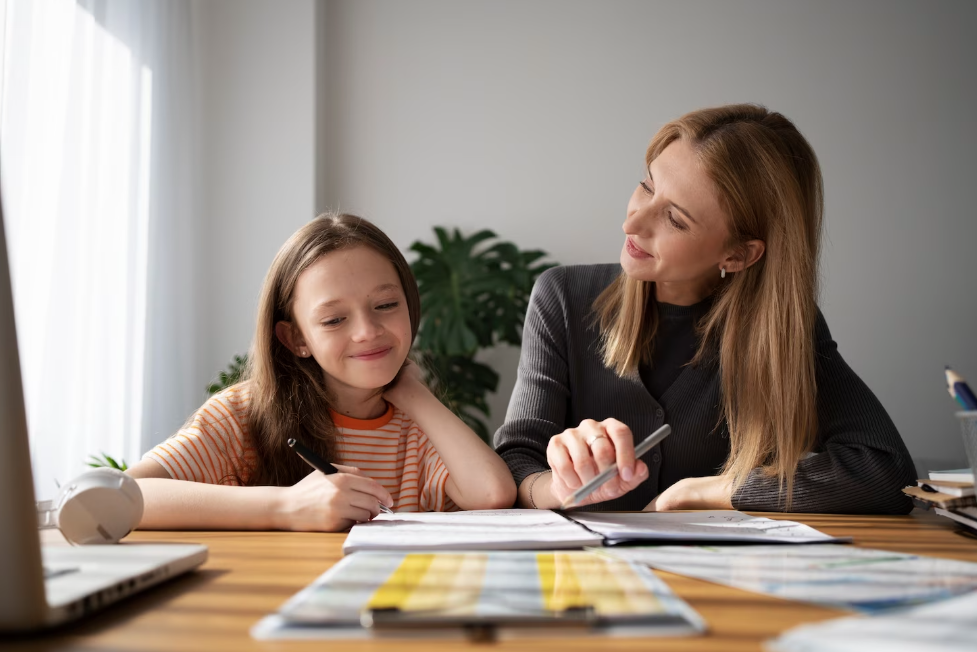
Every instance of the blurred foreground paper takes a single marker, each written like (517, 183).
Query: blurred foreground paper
(861, 579)
(946, 626)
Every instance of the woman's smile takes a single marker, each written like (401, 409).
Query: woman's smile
(635, 251)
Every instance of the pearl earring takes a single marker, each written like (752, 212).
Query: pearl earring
(722, 273)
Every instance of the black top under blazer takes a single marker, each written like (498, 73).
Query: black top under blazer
(859, 464)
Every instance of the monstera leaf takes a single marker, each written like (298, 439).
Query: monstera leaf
(472, 297)
(461, 383)
(474, 293)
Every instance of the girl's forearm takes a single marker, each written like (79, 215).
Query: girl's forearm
(480, 477)
(180, 505)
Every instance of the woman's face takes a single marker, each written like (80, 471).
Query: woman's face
(676, 228)
(352, 313)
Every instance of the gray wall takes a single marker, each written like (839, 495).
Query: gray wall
(531, 118)
(255, 65)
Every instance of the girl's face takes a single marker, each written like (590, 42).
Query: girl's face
(676, 228)
(352, 317)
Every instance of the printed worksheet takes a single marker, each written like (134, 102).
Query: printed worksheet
(860, 579)
(720, 526)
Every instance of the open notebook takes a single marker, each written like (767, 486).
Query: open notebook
(531, 529)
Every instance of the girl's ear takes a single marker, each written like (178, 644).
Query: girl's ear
(744, 256)
(291, 337)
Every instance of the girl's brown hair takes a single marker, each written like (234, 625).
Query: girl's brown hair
(288, 393)
(761, 323)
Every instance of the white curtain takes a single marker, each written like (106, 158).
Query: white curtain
(96, 148)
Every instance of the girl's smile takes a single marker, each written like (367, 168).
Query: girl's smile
(372, 354)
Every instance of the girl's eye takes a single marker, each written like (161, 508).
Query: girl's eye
(333, 322)
(388, 306)
(647, 188)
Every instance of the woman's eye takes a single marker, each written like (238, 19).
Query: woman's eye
(675, 223)
(647, 188)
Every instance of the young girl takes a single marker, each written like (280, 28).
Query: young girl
(328, 366)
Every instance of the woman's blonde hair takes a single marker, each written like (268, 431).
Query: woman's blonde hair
(288, 393)
(761, 323)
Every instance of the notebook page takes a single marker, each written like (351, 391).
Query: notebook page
(706, 526)
(496, 529)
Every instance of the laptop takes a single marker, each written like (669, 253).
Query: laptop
(49, 585)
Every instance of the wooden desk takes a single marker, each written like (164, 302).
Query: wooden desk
(250, 574)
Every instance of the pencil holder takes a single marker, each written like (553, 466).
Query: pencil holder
(968, 426)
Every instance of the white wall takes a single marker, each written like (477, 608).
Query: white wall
(531, 118)
(257, 111)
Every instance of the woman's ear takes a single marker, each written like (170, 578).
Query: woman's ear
(291, 337)
(744, 256)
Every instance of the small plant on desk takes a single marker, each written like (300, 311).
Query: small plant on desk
(106, 461)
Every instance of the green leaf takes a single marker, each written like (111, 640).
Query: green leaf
(106, 461)
(474, 292)
(231, 376)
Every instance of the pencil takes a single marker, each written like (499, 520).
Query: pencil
(958, 389)
(321, 465)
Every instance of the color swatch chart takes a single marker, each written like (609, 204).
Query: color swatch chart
(510, 583)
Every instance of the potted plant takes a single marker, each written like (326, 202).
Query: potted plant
(474, 293)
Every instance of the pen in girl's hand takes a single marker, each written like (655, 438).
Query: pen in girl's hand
(321, 465)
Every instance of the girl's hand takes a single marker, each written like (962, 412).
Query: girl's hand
(329, 503)
(714, 492)
(578, 454)
(406, 386)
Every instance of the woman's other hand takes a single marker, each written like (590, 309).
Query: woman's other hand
(714, 492)
(578, 454)
(330, 503)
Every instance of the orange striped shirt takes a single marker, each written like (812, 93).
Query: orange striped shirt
(215, 447)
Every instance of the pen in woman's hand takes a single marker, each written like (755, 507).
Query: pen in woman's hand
(321, 465)
(590, 487)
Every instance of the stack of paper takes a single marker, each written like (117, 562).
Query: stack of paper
(948, 493)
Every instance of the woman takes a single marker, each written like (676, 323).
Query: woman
(709, 324)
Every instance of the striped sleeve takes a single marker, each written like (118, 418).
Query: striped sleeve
(214, 447)
(432, 477)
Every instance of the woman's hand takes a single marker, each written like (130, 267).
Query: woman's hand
(329, 503)
(578, 454)
(714, 492)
